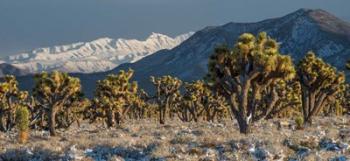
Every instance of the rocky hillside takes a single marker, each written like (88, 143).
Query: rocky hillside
(297, 33)
(96, 56)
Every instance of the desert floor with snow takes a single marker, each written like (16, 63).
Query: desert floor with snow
(327, 139)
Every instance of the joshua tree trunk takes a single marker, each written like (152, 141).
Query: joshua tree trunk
(162, 110)
(184, 115)
(52, 120)
(311, 104)
(164, 113)
(239, 109)
(244, 126)
(9, 121)
(193, 111)
(2, 122)
(161, 114)
(118, 118)
(241, 113)
(110, 118)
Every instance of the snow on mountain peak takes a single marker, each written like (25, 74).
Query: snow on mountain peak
(95, 56)
(155, 35)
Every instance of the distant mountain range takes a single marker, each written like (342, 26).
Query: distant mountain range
(88, 57)
(297, 33)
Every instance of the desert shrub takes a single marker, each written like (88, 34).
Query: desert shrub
(22, 118)
(22, 123)
(299, 121)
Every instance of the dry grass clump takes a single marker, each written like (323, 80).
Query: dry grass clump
(210, 141)
(182, 139)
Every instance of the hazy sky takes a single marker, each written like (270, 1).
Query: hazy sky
(27, 24)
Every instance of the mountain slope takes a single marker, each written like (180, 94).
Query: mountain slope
(297, 32)
(6, 69)
(87, 57)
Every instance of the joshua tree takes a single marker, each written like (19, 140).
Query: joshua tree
(216, 107)
(320, 83)
(242, 73)
(139, 105)
(10, 97)
(55, 92)
(200, 101)
(194, 97)
(286, 100)
(115, 96)
(22, 123)
(167, 92)
(73, 113)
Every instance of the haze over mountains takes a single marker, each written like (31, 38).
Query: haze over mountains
(297, 33)
(96, 56)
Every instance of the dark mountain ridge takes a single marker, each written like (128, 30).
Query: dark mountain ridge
(6, 69)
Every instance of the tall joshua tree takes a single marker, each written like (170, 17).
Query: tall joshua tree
(242, 73)
(115, 95)
(167, 91)
(54, 92)
(320, 83)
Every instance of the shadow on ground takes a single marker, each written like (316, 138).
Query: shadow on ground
(24, 154)
(97, 153)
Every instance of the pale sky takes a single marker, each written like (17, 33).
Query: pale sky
(28, 24)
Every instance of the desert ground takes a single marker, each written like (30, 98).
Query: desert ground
(327, 139)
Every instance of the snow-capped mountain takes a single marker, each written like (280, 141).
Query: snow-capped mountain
(96, 56)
